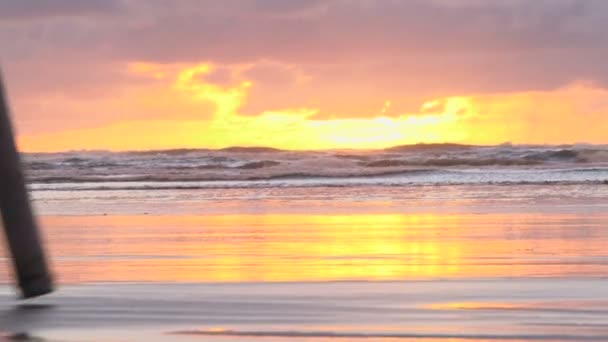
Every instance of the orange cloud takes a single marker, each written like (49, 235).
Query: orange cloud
(572, 114)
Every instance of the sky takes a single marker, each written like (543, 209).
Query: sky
(315, 74)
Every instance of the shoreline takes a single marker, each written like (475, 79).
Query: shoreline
(517, 309)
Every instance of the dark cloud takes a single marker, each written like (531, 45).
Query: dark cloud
(496, 40)
(20, 9)
(372, 50)
(344, 30)
(291, 6)
(270, 74)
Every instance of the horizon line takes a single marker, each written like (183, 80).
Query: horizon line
(262, 148)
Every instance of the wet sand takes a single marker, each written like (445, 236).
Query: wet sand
(441, 310)
(474, 273)
(340, 247)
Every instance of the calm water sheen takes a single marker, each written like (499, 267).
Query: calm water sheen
(485, 262)
(319, 234)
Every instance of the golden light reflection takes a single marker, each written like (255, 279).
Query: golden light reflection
(310, 247)
(553, 305)
(478, 306)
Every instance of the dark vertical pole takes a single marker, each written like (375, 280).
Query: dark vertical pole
(19, 224)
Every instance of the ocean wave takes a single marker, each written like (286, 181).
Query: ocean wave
(352, 157)
(38, 165)
(222, 177)
(242, 185)
(401, 178)
(83, 163)
(440, 163)
(259, 164)
(446, 162)
(594, 155)
(430, 147)
(563, 154)
(171, 152)
(190, 151)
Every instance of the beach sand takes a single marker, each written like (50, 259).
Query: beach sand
(262, 271)
(439, 310)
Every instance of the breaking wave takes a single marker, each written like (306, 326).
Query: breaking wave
(452, 162)
(402, 165)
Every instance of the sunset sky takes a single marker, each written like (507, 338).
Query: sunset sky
(294, 74)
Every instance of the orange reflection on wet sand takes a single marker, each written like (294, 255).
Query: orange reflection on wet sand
(227, 248)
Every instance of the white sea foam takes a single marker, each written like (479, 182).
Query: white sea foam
(442, 164)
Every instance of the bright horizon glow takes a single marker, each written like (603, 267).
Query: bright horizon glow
(304, 75)
(477, 120)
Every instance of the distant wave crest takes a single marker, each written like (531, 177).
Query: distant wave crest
(413, 164)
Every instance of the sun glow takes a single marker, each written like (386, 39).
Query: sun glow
(292, 128)
(187, 89)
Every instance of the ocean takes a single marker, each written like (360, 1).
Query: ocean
(439, 242)
(241, 167)
(425, 177)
